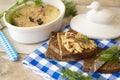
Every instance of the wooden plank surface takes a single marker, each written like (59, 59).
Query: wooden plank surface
(109, 3)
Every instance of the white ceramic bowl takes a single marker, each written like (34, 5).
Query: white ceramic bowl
(38, 33)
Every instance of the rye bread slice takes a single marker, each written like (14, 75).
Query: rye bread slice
(53, 51)
(78, 56)
(106, 68)
(53, 48)
(57, 51)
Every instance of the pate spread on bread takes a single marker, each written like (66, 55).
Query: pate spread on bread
(70, 46)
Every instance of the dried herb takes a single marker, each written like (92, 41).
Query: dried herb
(111, 54)
(67, 74)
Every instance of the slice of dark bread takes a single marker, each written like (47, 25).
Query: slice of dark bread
(53, 51)
(108, 67)
(53, 48)
(57, 51)
(78, 56)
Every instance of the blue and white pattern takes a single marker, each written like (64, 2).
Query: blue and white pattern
(11, 53)
(49, 68)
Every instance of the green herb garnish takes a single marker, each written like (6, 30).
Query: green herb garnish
(9, 18)
(67, 73)
(1, 14)
(18, 3)
(25, 1)
(71, 75)
(38, 2)
(17, 14)
(111, 54)
(85, 40)
(70, 9)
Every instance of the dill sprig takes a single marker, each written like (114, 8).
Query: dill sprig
(38, 2)
(111, 54)
(70, 9)
(84, 40)
(1, 14)
(17, 14)
(67, 74)
(20, 2)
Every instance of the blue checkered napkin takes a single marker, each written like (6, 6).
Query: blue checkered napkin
(49, 69)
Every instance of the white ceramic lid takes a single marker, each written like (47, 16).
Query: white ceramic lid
(80, 24)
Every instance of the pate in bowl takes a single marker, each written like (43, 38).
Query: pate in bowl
(30, 23)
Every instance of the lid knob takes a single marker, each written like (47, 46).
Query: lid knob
(97, 14)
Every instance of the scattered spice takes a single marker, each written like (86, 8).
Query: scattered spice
(42, 6)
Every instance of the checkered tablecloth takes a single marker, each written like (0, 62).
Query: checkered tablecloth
(49, 69)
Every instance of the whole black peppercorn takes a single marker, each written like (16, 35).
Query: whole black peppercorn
(39, 21)
(31, 19)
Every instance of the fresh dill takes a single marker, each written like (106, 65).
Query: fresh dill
(38, 2)
(25, 1)
(67, 74)
(20, 2)
(1, 14)
(17, 14)
(70, 8)
(85, 40)
(111, 54)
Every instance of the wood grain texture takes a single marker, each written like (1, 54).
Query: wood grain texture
(109, 3)
(15, 70)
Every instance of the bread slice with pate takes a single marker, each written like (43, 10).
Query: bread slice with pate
(70, 46)
(108, 67)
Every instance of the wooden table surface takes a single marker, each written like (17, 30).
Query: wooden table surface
(15, 70)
